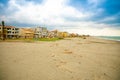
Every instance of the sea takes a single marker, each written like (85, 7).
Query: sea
(115, 38)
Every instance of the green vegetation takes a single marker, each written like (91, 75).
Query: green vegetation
(47, 39)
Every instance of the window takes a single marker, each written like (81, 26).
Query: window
(16, 29)
(8, 31)
(16, 32)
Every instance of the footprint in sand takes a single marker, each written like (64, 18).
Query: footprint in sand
(62, 66)
(61, 63)
(53, 55)
(79, 62)
(101, 77)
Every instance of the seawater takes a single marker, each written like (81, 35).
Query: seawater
(116, 38)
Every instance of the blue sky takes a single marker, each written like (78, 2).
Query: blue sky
(94, 17)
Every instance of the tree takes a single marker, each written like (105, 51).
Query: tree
(3, 30)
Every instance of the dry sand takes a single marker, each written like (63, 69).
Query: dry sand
(69, 59)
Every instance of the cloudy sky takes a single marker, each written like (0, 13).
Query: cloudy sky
(94, 17)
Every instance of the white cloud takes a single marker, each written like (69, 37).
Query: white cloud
(49, 12)
(95, 31)
(95, 3)
(92, 28)
(54, 12)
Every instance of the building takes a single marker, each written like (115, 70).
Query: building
(63, 34)
(12, 32)
(26, 33)
(9, 32)
(52, 34)
(40, 32)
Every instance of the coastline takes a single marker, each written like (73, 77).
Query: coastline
(67, 59)
(108, 38)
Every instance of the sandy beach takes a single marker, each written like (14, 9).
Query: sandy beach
(68, 59)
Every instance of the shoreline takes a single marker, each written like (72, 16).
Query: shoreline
(107, 38)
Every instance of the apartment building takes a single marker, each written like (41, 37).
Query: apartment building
(26, 33)
(9, 32)
(12, 32)
(52, 34)
(40, 32)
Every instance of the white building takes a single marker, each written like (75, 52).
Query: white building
(40, 32)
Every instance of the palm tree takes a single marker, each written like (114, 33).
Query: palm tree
(3, 26)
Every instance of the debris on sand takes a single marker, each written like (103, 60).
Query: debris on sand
(66, 51)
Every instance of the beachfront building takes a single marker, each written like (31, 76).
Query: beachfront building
(26, 33)
(9, 32)
(52, 34)
(12, 32)
(63, 34)
(40, 32)
(72, 35)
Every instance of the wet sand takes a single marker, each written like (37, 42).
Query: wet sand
(69, 59)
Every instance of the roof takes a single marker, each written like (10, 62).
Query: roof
(28, 31)
(9, 26)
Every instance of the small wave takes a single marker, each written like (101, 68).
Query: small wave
(115, 38)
